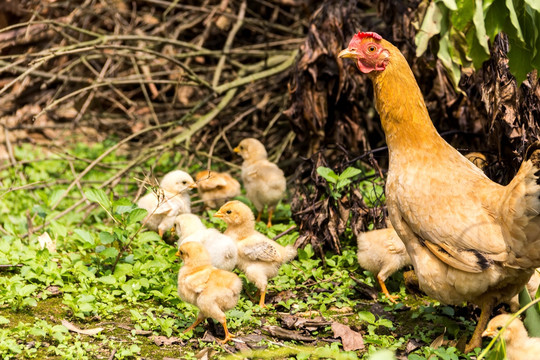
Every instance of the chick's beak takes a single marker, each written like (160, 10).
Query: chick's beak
(218, 214)
(177, 253)
(236, 149)
(346, 53)
(488, 333)
(193, 186)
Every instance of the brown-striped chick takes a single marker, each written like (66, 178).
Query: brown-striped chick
(216, 188)
(212, 290)
(264, 181)
(258, 256)
(171, 199)
(383, 253)
(519, 346)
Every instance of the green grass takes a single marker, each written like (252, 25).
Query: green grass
(112, 274)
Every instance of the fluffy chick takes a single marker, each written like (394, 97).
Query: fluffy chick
(264, 182)
(221, 248)
(477, 159)
(383, 253)
(171, 199)
(519, 346)
(212, 290)
(258, 256)
(216, 188)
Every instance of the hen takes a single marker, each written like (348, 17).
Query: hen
(258, 256)
(212, 290)
(469, 238)
(216, 188)
(519, 346)
(383, 253)
(171, 199)
(264, 182)
(221, 248)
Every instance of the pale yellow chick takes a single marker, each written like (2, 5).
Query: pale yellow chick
(383, 253)
(258, 256)
(216, 188)
(171, 199)
(221, 248)
(532, 288)
(519, 346)
(264, 182)
(477, 159)
(212, 290)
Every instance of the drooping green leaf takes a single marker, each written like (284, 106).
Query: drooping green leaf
(136, 215)
(431, 26)
(519, 61)
(514, 18)
(463, 14)
(99, 196)
(532, 319)
(478, 20)
(84, 236)
(450, 4)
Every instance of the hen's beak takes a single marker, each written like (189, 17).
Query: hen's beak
(218, 214)
(489, 333)
(346, 53)
(236, 149)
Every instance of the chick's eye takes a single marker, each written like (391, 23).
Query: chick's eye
(184, 182)
(499, 328)
(228, 211)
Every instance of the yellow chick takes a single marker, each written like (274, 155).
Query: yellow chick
(171, 200)
(258, 256)
(532, 288)
(264, 182)
(216, 188)
(519, 346)
(383, 253)
(477, 159)
(221, 248)
(212, 290)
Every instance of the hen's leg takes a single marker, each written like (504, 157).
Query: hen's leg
(392, 298)
(486, 307)
(270, 213)
(200, 318)
(228, 335)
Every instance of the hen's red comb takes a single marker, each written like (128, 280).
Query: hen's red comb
(371, 34)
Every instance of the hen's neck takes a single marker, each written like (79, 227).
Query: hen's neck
(401, 106)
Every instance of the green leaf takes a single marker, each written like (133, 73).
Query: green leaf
(446, 58)
(108, 280)
(535, 4)
(532, 320)
(463, 15)
(99, 196)
(106, 237)
(450, 4)
(367, 317)
(136, 216)
(384, 354)
(350, 172)
(519, 61)
(55, 196)
(478, 20)
(58, 229)
(4, 320)
(431, 26)
(327, 174)
(514, 19)
(110, 253)
(84, 236)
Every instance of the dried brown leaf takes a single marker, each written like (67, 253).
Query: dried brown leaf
(77, 330)
(350, 339)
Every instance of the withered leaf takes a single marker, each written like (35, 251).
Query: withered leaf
(160, 340)
(350, 339)
(286, 334)
(77, 330)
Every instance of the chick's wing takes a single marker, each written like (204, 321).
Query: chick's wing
(260, 251)
(198, 281)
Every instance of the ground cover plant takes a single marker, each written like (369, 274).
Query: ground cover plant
(109, 290)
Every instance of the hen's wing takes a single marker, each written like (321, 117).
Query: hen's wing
(450, 212)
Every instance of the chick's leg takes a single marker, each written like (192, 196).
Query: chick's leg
(160, 232)
(392, 298)
(486, 307)
(199, 319)
(259, 212)
(228, 335)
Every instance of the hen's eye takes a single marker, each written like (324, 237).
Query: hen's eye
(228, 211)
(371, 48)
